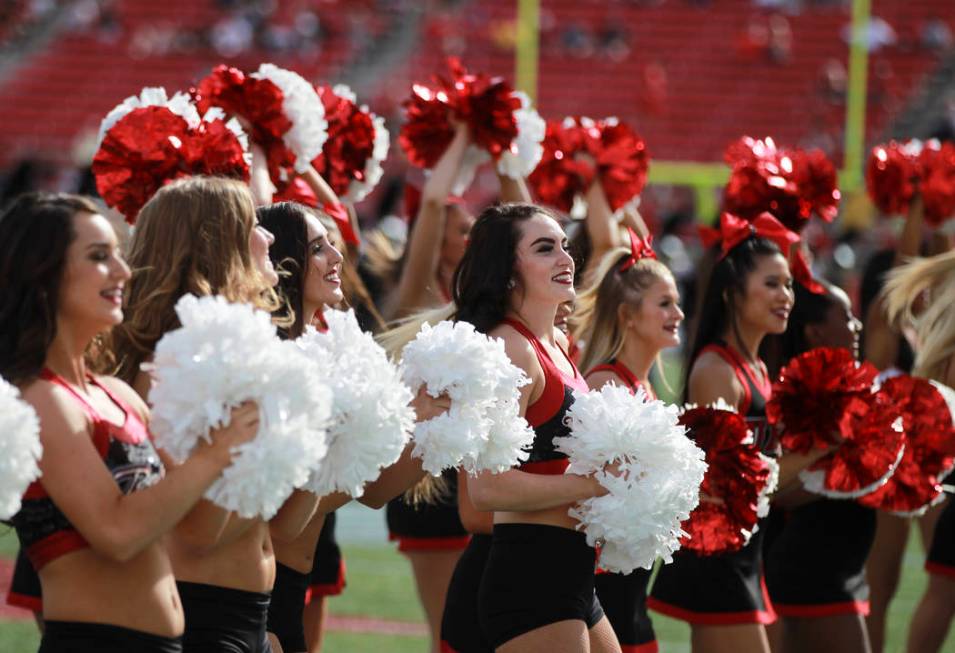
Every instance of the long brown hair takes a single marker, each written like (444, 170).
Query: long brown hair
(191, 237)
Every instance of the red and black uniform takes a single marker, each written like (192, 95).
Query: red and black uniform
(723, 589)
(461, 630)
(428, 526)
(328, 566)
(537, 574)
(624, 596)
(46, 533)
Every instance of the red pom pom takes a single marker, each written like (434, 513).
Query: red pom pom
(297, 190)
(737, 477)
(427, 131)
(817, 397)
(214, 149)
(351, 142)
(620, 160)
(938, 183)
(817, 186)
(792, 185)
(928, 455)
(258, 103)
(486, 104)
(138, 155)
(889, 174)
(866, 459)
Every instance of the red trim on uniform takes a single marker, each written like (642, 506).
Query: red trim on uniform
(25, 601)
(939, 569)
(730, 357)
(327, 589)
(647, 647)
(430, 543)
(53, 546)
(547, 467)
(823, 609)
(711, 618)
(623, 373)
(447, 648)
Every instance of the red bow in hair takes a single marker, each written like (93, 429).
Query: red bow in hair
(735, 230)
(639, 248)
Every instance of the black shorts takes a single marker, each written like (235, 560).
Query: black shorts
(25, 591)
(714, 590)
(941, 555)
(428, 527)
(815, 567)
(223, 620)
(285, 608)
(80, 637)
(536, 575)
(624, 599)
(328, 569)
(460, 628)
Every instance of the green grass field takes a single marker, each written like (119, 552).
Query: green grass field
(380, 585)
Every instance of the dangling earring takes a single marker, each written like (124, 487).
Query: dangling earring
(511, 284)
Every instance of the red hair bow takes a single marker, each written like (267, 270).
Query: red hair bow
(639, 248)
(735, 230)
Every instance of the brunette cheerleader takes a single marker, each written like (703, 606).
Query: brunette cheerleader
(815, 563)
(749, 295)
(92, 525)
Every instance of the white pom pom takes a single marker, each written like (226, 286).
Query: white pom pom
(482, 429)
(304, 109)
(180, 104)
(20, 448)
(371, 416)
(358, 190)
(527, 148)
(225, 354)
(660, 472)
(344, 91)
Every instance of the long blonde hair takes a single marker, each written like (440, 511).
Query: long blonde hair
(191, 237)
(921, 293)
(596, 318)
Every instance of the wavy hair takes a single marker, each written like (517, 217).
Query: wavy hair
(193, 237)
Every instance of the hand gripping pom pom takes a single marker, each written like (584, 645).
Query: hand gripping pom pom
(816, 397)
(655, 486)
(20, 448)
(482, 429)
(371, 417)
(225, 354)
(929, 437)
(738, 482)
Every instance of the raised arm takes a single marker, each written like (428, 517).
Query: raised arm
(424, 243)
(602, 228)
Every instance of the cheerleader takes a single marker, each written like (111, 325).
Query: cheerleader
(749, 295)
(931, 280)
(425, 522)
(815, 564)
(627, 317)
(200, 235)
(537, 590)
(310, 283)
(92, 525)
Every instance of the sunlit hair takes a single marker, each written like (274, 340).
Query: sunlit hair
(191, 237)
(596, 319)
(921, 293)
(36, 231)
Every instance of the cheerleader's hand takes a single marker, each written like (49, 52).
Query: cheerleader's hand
(243, 427)
(427, 407)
